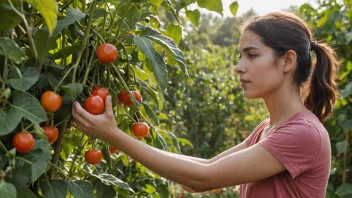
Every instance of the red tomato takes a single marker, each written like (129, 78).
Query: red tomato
(23, 142)
(102, 92)
(94, 105)
(51, 101)
(125, 98)
(107, 53)
(140, 129)
(113, 149)
(51, 132)
(93, 156)
(122, 96)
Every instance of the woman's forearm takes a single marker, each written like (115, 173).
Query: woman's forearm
(190, 171)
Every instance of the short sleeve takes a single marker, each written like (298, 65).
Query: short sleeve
(250, 139)
(296, 145)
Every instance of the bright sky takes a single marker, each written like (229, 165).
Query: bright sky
(261, 6)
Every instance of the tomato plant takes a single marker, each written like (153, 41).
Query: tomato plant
(93, 156)
(101, 92)
(94, 105)
(106, 53)
(51, 133)
(51, 101)
(23, 142)
(113, 149)
(140, 129)
(60, 46)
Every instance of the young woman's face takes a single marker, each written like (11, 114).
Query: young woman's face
(259, 73)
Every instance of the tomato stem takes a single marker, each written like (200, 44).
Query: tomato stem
(89, 66)
(3, 146)
(122, 19)
(85, 39)
(29, 32)
(77, 153)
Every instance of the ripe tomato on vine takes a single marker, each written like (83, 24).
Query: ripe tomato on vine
(106, 53)
(94, 105)
(140, 129)
(125, 98)
(101, 92)
(51, 132)
(23, 142)
(113, 149)
(51, 101)
(93, 156)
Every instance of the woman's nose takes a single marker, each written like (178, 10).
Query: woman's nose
(240, 68)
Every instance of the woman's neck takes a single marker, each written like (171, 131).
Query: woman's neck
(283, 104)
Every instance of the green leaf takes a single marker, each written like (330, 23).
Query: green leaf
(67, 51)
(72, 16)
(54, 188)
(7, 190)
(168, 6)
(81, 189)
(185, 142)
(212, 5)
(175, 141)
(30, 75)
(25, 192)
(28, 106)
(344, 189)
(39, 156)
(151, 114)
(104, 191)
(347, 91)
(12, 119)
(162, 141)
(48, 9)
(153, 94)
(174, 31)
(9, 19)
(163, 190)
(234, 8)
(157, 3)
(10, 49)
(73, 90)
(193, 16)
(2, 119)
(167, 44)
(346, 125)
(111, 180)
(155, 59)
(43, 44)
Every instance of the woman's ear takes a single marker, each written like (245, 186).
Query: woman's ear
(290, 60)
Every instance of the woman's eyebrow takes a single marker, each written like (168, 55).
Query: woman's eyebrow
(249, 48)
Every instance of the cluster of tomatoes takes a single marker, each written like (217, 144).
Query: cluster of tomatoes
(94, 104)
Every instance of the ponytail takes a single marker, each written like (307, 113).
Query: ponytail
(322, 88)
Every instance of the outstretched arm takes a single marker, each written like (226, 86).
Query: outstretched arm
(250, 164)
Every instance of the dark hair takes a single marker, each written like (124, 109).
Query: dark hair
(283, 31)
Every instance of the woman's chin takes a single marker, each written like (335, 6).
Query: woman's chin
(249, 95)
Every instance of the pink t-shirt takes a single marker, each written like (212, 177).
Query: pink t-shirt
(302, 145)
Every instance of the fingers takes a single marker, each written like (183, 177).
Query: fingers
(78, 111)
(108, 107)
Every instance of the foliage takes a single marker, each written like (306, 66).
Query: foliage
(330, 21)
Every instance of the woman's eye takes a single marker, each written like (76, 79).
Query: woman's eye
(251, 55)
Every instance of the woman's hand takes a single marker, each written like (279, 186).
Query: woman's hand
(99, 126)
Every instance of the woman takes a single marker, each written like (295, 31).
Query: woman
(288, 154)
